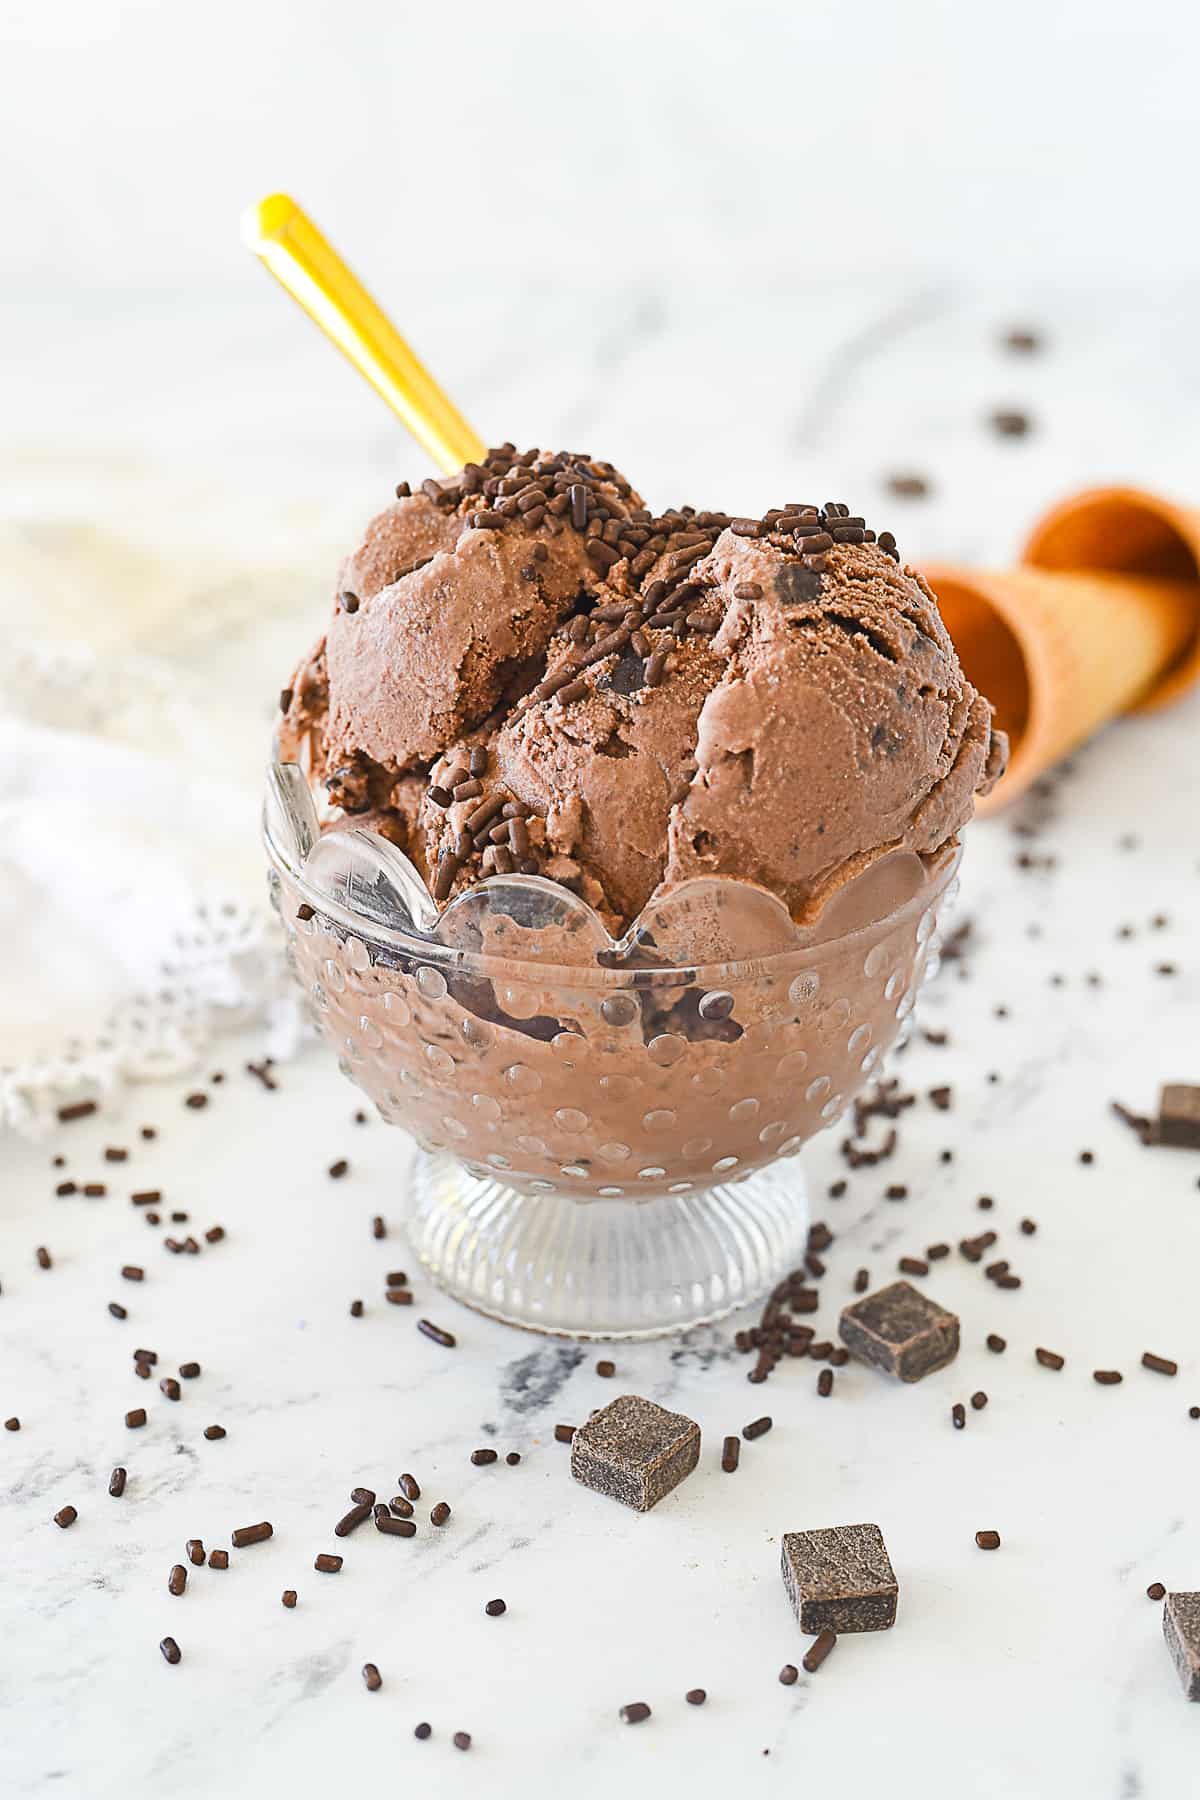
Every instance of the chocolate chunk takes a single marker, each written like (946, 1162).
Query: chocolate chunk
(635, 1451)
(628, 674)
(1179, 1117)
(900, 1331)
(840, 1580)
(795, 583)
(1181, 1628)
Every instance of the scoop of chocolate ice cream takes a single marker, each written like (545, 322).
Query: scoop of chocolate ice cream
(528, 670)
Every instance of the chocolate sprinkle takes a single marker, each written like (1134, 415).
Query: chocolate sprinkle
(353, 1519)
(436, 1334)
(393, 1527)
(820, 1650)
(251, 1534)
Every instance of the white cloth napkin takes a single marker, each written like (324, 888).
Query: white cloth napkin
(134, 926)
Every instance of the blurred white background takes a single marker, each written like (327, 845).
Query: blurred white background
(1043, 138)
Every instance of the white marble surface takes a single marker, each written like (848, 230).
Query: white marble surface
(191, 513)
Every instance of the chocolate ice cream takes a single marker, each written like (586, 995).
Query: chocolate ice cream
(528, 670)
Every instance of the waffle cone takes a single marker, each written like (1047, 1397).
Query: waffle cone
(1126, 530)
(1060, 651)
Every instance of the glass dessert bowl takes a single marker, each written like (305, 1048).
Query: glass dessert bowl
(607, 1130)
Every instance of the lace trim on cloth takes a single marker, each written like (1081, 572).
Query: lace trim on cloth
(226, 973)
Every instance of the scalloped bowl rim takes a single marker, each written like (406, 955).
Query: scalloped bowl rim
(942, 870)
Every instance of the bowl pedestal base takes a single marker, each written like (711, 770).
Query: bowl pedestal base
(606, 1268)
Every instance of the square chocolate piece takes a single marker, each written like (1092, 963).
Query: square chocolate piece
(635, 1451)
(840, 1580)
(1181, 1628)
(901, 1331)
(1179, 1116)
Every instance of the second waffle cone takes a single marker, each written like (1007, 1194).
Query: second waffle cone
(1102, 617)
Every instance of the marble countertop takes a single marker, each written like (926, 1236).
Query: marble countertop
(1038, 1671)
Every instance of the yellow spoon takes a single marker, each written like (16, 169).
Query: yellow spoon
(308, 266)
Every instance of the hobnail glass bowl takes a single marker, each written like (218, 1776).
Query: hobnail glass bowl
(607, 1131)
